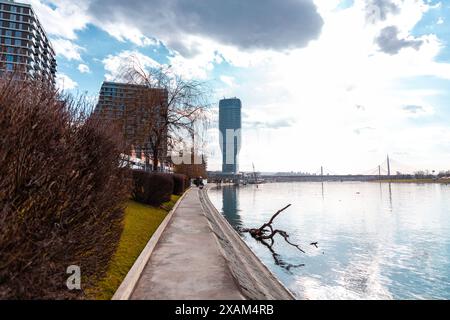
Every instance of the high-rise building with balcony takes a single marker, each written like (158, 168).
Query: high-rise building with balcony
(24, 45)
(140, 112)
(230, 124)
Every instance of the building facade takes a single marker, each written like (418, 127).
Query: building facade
(137, 111)
(24, 45)
(230, 124)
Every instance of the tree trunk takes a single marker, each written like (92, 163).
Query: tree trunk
(155, 159)
(147, 161)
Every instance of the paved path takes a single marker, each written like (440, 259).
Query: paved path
(187, 263)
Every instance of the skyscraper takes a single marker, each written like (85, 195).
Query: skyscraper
(230, 124)
(24, 45)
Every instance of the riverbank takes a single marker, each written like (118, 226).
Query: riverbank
(197, 255)
(439, 181)
(255, 280)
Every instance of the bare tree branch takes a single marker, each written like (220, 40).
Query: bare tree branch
(266, 235)
(168, 118)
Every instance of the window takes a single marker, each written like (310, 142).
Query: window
(9, 58)
(9, 67)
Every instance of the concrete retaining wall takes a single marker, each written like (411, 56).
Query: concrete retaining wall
(253, 277)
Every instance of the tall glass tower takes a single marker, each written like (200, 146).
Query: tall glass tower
(230, 124)
(24, 45)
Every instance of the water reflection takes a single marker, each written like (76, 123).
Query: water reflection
(230, 206)
(390, 195)
(323, 192)
(389, 191)
(279, 261)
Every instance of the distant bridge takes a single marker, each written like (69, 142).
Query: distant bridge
(388, 169)
(315, 178)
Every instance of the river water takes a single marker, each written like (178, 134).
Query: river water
(375, 241)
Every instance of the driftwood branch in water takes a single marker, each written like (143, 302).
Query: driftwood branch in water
(267, 232)
(274, 216)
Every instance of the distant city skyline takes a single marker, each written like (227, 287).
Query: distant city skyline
(333, 83)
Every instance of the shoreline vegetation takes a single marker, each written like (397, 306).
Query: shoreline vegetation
(62, 192)
(140, 223)
(419, 181)
(66, 197)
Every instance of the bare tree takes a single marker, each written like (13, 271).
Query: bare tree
(166, 109)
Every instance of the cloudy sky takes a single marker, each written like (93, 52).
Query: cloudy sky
(338, 83)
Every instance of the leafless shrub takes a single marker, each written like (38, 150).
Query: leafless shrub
(62, 191)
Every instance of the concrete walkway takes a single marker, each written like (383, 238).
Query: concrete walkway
(187, 263)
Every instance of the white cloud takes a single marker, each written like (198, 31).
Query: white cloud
(227, 80)
(64, 82)
(125, 32)
(417, 111)
(115, 64)
(63, 18)
(83, 68)
(67, 49)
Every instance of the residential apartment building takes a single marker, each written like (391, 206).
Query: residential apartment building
(24, 45)
(139, 111)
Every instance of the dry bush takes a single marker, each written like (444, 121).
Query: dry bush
(62, 192)
(193, 170)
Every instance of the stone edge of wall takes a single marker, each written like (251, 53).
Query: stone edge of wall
(128, 285)
(267, 285)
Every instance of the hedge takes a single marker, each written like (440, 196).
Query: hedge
(152, 188)
(181, 183)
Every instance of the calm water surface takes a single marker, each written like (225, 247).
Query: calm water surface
(376, 241)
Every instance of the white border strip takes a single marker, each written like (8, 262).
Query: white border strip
(128, 285)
